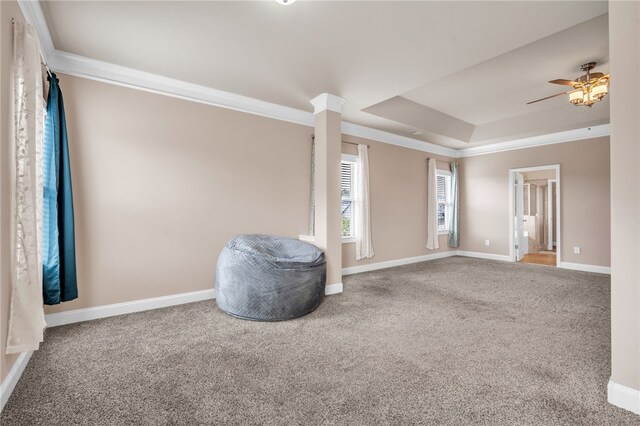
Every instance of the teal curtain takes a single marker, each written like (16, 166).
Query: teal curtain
(454, 212)
(58, 245)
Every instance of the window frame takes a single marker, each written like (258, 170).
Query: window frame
(352, 159)
(448, 203)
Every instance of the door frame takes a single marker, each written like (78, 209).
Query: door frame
(519, 206)
(550, 184)
(512, 210)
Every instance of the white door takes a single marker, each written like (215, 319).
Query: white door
(520, 240)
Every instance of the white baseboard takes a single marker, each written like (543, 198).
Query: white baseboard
(78, 315)
(565, 265)
(10, 382)
(489, 256)
(398, 262)
(623, 397)
(97, 312)
(332, 289)
(585, 267)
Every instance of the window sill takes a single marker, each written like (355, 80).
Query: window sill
(311, 239)
(443, 232)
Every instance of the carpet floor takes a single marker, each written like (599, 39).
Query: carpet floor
(455, 341)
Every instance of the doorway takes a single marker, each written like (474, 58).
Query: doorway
(534, 219)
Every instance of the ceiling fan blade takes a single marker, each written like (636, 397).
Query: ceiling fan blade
(549, 97)
(563, 82)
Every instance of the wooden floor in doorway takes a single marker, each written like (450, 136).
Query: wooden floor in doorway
(541, 258)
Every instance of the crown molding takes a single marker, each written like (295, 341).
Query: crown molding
(33, 14)
(327, 102)
(81, 66)
(548, 139)
(393, 139)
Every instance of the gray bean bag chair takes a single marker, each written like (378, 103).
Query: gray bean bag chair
(267, 278)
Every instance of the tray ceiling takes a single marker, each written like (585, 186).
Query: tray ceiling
(472, 64)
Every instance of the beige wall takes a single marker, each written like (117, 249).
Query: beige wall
(158, 193)
(160, 184)
(8, 10)
(624, 46)
(585, 198)
(398, 182)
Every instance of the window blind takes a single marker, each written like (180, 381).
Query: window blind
(346, 179)
(347, 176)
(442, 189)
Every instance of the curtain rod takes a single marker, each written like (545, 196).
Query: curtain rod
(442, 161)
(353, 143)
(313, 137)
(43, 61)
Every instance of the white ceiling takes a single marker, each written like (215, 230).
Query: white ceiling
(473, 64)
(500, 87)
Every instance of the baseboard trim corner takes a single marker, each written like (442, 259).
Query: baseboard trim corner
(330, 289)
(586, 268)
(488, 256)
(623, 397)
(97, 312)
(10, 382)
(397, 262)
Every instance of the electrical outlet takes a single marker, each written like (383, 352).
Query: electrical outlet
(576, 250)
(487, 242)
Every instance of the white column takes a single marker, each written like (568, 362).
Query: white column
(328, 135)
(624, 60)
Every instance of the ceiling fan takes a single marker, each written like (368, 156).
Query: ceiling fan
(587, 89)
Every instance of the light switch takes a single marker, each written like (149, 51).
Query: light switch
(576, 250)
(487, 243)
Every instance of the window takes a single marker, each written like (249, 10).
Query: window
(444, 199)
(347, 178)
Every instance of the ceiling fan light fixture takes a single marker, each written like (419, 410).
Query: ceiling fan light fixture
(285, 2)
(599, 92)
(577, 97)
(589, 95)
(586, 89)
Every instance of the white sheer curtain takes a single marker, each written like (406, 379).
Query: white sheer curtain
(432, 205)
(26, 313)
(362, 209)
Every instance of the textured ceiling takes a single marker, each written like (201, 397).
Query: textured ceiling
(431, 53)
